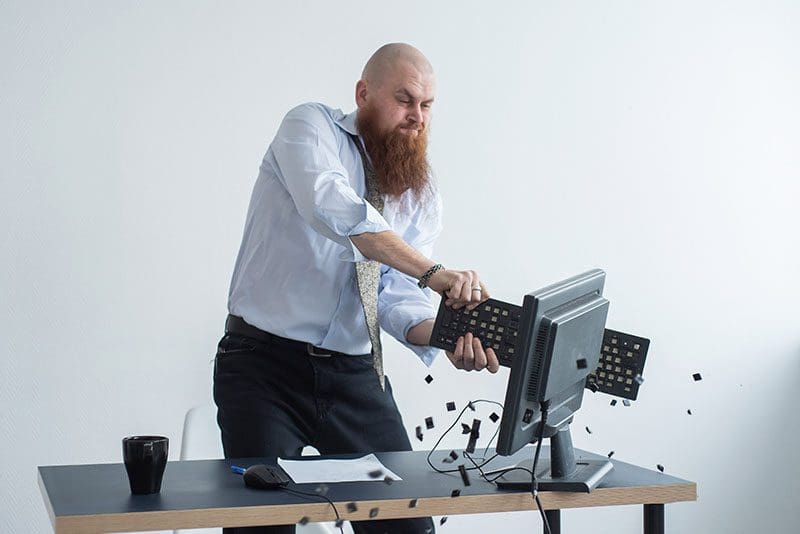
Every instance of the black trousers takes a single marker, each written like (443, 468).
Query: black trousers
(274, 399)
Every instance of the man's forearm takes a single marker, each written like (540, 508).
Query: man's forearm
(389, 249)
(420, 334)
(462, 288)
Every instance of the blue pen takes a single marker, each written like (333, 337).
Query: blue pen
(237, 469)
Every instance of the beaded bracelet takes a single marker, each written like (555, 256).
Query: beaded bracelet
(423, 280)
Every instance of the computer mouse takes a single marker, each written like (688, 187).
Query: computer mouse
(261, 476)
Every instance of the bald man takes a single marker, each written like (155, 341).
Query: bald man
(337, 246)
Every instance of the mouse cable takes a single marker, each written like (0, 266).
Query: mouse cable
(316, 495)
(458, 418)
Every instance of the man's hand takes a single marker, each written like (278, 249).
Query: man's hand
(469, 355)
(461, 288)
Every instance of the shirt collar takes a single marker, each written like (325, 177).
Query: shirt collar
(348, 122)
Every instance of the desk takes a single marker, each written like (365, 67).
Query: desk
(206, 493)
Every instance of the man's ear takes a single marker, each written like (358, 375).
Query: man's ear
(361, 93)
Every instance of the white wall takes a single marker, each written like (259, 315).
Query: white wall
(656, 141)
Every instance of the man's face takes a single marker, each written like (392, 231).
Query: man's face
(400, 102)
(393, 117)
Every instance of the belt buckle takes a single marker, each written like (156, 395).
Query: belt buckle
(311, 349)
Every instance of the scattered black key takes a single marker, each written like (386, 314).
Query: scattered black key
(373, 513)
(419, 433)
(474, 435)
(613, 402)
(464, 476)
(451, 406)
(494, 417)
(465, 429)
(352, 507)
(429, 379)
(443, 520)
(476, 427)
(339, 523)
(412, 503)
(455, 493)
(582, 363)
(388, 480)
(376, 473)
(639, 379)
(626, 402)
(689, 412)
(697, 377)
(610, 454)
(303, 520)
(589, 430)
(454, 455)
(660, 467)
(429, 423)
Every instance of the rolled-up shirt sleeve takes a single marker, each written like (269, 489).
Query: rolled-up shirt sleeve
(307, 154)
(401, 303)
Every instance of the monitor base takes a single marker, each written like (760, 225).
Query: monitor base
(587, 475)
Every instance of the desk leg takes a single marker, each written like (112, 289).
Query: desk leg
(653, 519)
(554, 520)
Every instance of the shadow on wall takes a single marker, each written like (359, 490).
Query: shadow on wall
(766, 434)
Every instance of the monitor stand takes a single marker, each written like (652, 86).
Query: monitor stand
(560, 472)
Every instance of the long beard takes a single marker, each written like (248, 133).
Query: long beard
(400, 161)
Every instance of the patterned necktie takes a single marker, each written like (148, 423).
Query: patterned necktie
(368, 273)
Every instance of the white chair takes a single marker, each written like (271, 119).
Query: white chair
(201, 441)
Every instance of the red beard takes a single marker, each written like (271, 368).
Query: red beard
(400, 161)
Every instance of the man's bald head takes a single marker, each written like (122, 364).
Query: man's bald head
(398, 85)
(386, 59)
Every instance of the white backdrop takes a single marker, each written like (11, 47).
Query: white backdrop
(656, 141)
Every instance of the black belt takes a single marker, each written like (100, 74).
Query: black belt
(237, 326)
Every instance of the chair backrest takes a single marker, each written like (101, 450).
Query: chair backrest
(201, 441)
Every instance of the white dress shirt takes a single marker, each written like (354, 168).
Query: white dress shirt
(295, 272)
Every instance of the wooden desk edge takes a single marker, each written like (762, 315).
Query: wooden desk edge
(388, 509)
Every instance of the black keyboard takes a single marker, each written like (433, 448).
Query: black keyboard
(621, 365)
(494, 322)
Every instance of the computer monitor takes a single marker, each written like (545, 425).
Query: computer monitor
(559, 341)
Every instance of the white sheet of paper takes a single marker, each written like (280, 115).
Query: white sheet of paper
(355, 470)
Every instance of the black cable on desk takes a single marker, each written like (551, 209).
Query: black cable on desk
(545, 406)
(458, 418)
(534, 484)
(315, 495)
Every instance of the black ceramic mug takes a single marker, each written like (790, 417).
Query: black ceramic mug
(145, 459)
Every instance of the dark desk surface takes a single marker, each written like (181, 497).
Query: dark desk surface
(206, 493)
